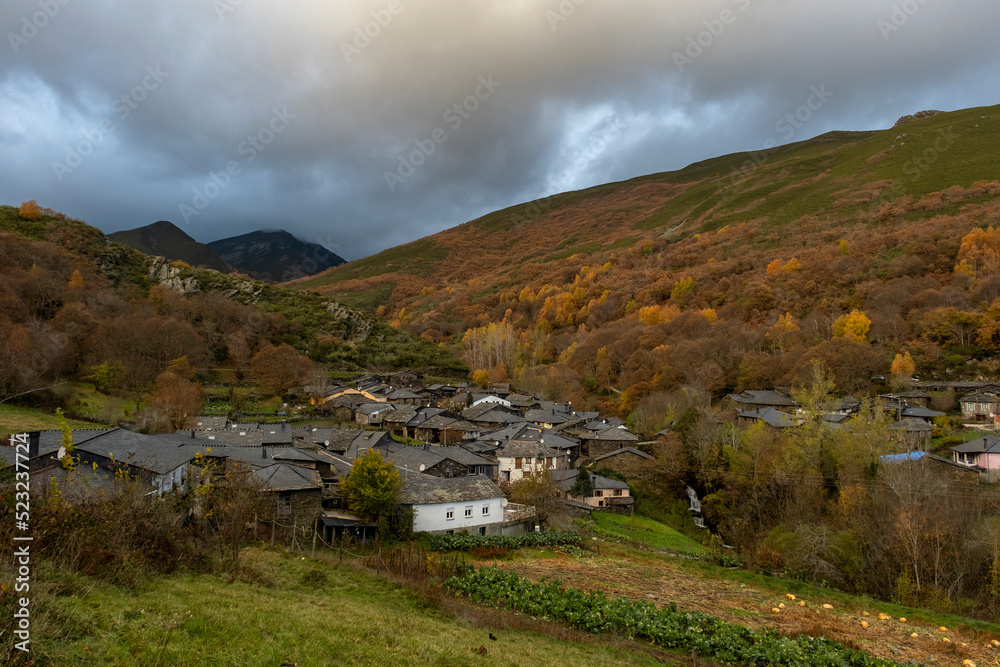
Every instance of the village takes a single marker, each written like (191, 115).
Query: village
(459, 450)
(456, 464)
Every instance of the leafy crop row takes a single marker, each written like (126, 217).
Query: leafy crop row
(467, 542)
(684, 630)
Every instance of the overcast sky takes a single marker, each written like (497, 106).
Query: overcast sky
(362, 125)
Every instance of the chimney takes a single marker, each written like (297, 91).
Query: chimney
(33, 438)
(427, 446)
(263, 452)
(192, 434)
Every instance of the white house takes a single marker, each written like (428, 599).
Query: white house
(490, 399)
(453, 505)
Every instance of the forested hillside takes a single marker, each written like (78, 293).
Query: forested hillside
(75, 306)
(733, 273)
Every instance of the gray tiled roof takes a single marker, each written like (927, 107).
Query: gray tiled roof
(624, 450)
(988, 444)
(288, 477)
(427, 490)
(156, 454)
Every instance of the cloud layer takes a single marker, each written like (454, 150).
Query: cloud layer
(361, 125)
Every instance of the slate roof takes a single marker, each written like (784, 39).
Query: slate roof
(599, 482)
(276, 434)
(981, 397)
(764, 397)
(988, 444)
(772, 417)
(211, 422)
(624, 450)
(288, 477)
(374, 408)
(402, 395)
(546, 416)
(912, 425)
(613, 434)
(427, 490)
(522, 449)
(159, 455)
(922, 413)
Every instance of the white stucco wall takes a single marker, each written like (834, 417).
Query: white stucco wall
(432, 518)
(171, 481)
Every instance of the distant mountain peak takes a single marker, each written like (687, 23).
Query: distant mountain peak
(165, 239)
(275, 255)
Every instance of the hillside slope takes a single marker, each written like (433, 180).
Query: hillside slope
(680, 278)
(165, 239)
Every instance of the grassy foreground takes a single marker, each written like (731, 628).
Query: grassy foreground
(294, 612)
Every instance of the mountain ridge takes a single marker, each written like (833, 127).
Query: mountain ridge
(275, 255)
(165, 239)
(862, 214)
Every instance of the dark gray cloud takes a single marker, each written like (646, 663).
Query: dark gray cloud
(226, 116)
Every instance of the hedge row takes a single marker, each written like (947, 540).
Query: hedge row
(467, 542)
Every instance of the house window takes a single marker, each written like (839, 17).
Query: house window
(618, 492)
(468, 512)
(517, 462)
(284, 503)
(449, 514)
(482, 530)
(598, 494)
(486, 510)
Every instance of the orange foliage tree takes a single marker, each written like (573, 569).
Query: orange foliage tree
(30, 210)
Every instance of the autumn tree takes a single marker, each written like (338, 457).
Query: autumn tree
(175, 401)
(979, 253)
(539, 491)
(372, 487)
(852, 326)
(30, 210)
(76, 280)
(902, 366)
(489, 346)
(280, 368)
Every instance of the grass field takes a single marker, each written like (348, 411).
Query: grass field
(295, 612)
(646, 531)
(19, 420)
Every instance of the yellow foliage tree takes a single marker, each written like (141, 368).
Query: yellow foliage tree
(481, 377)
(792, 266)
(650, 315)
(845, 247)
(774, 267)
(683, 287)
(979, 253)
(30, 210)
(710, 314)
(76, 280)
(852, 326)
(903, 366)
(780, 333)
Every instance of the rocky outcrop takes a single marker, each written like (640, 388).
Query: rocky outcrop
(917, 116)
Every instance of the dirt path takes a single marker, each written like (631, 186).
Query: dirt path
(739, 603)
